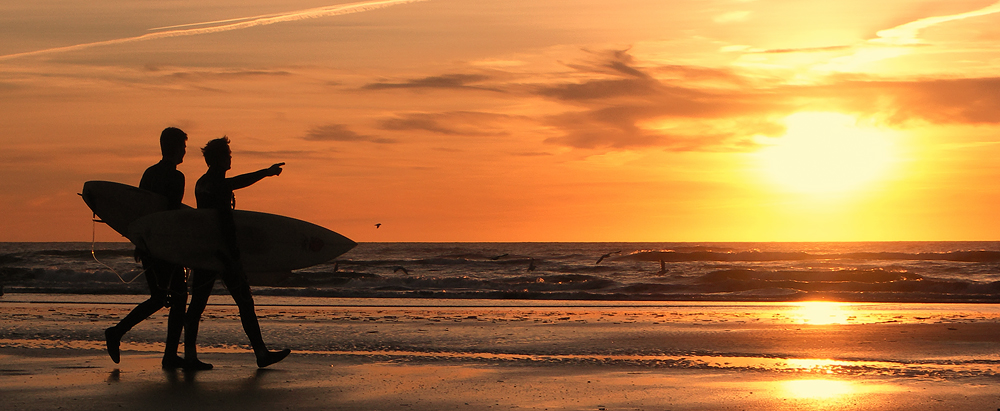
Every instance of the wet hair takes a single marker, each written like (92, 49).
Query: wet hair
(170, 139)
(216, 151)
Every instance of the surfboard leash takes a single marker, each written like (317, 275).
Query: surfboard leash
(93, 253)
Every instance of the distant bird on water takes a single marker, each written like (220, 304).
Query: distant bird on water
(377, 225)
(401, 268)
(499, 257)
(606, 256)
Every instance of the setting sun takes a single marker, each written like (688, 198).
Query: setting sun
(823, 153)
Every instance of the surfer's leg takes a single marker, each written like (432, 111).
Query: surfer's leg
(175, 318)
(157, 296)
(201, 288)
(239, 288)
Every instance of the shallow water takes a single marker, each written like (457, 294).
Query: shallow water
(913, 340)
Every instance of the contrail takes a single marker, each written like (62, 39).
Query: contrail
(242, 23)
(205, 23)
(906, 34)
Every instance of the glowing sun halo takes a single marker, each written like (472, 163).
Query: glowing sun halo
(825, 152)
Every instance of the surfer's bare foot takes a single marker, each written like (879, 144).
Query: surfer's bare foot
(272, 357)
(114, 340)
(195, 365)
(172, 362)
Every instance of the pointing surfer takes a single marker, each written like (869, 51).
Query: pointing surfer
(215, 191)
(167, 286)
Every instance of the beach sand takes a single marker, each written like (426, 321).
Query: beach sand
(735, 356)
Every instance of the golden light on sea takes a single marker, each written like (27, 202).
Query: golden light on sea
(818, 388)
(822, 312)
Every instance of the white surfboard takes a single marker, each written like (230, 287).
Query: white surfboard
(267, 242)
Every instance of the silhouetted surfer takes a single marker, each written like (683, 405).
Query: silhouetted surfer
(214, 191)
(167, 286)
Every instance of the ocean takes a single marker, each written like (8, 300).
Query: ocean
(960, 272)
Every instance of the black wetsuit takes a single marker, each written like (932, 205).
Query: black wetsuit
(167, 286)
(165, 179)
(215, 192)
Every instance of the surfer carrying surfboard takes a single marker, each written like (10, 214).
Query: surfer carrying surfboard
(215, 191)
(167, 285)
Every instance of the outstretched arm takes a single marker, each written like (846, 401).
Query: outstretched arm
(245, 180)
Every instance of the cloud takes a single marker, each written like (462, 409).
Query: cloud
(227, 25)
(906, 34)
(732, 17)
(802, 50)
(941, 101)
(450, 123)
(277, 155)
(447, 81)
(226, 74)
(629, 128)
(340, 132)
(600, 89)
(613, 102)
(626, 107)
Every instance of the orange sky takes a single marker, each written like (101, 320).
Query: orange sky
(557, 120)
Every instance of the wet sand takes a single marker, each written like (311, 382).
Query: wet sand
(685, 357)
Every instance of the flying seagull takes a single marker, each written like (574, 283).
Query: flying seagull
(377, 225)
(606, 256)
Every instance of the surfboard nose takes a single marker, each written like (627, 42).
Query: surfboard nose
(314, 244)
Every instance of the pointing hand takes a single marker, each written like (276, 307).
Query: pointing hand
(275, 169)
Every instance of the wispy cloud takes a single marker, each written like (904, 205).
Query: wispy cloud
(732, 17)
(452, 123)
(629, 108)
(340, 132)
(226, 25)
(801, 50)
(906, 34)
(446, 81)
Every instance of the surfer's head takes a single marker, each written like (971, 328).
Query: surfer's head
(173, 144)
(217, 153)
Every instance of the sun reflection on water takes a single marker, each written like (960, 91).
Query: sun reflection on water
(818, 388)
(824, 312)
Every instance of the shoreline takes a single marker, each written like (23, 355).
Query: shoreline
(680, 356)
(81, 381)
(18, 294)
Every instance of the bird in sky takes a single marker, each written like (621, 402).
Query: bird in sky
(606, 256)
(377, 225)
